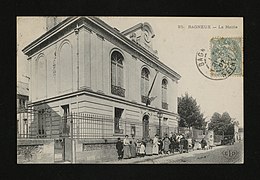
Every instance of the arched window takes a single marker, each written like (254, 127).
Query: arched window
(65, 66)
(117, 74)
(164, 94)
(145, 74)
(42, 76)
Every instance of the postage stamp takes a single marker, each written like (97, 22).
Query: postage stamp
(223, 59)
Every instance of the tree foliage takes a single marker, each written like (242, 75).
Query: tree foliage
(221, 123)
(190, 114)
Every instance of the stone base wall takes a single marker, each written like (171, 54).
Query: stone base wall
(87, 152)
(35, 151)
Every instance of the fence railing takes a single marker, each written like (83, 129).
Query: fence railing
(32, 123)
(95, 126)
(82, 126)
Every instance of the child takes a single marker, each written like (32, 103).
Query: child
(138, 146)
(160, 144)
(119, 147)
(142, 150)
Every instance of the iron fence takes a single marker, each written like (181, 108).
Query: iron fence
(33, 123)
(93, 126)
(81, 126)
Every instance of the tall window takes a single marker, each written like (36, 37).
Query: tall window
(25, 128)
(118, 120)
(21, 102)
(133, 130)
(41, 123)
(117, 74)
(164, 94)
(144, 84)
(65, 122)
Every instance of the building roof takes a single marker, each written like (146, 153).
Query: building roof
(28, 50)
(22, 88)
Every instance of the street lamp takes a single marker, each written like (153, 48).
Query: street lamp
(159, 115)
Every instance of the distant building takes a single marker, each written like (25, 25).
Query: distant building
(236, 134)
(22, 94)
(241, 134)
(22, 97)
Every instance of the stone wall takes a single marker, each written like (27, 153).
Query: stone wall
(87, 152)
(35, 151)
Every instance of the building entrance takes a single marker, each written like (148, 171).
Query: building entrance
(145, 126)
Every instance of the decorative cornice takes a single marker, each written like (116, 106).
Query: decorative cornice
(64, 26)
(49, 34)
(135, 46)
(101, 96)
(131, 29)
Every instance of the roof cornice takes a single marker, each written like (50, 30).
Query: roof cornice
(110, 30)
(137, 47)
(49, 34)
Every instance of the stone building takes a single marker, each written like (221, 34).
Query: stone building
(22, 98)
(83, 65)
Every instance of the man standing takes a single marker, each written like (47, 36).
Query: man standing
(172, 145)
(203, 143)
(182, 142)
(119, 147)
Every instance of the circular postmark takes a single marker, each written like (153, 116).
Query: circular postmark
(222, 60)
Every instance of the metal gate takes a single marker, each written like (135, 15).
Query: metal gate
(63, 150)
(33, 123)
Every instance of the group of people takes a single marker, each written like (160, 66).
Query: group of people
(131, 147)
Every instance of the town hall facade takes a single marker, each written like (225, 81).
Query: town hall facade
(83, 65)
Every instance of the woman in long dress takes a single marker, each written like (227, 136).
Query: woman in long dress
(166, 144)
(133, 147)
(149, 147)
(127, 153)
(155, 145)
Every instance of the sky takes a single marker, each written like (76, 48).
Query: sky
(177, 48)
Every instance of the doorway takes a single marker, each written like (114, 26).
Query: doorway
(145, 126)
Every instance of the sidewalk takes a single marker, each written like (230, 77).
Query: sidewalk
(177, 155)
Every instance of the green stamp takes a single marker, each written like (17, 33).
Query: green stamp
(225, 57)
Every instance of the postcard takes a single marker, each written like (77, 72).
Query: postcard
(130, 90)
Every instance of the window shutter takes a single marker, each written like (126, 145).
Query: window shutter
(113, 74)
(146, 87)
(120, 76)
(142, 86)
(163, 95)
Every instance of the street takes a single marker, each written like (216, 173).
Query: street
(218, 155)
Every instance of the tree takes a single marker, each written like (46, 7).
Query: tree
(189, 111)
(221, 124)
